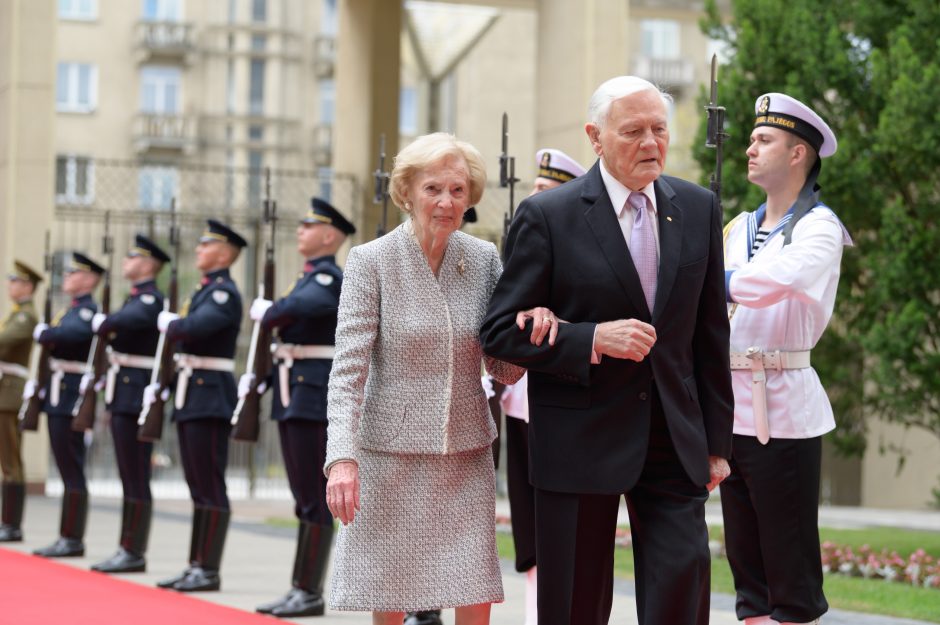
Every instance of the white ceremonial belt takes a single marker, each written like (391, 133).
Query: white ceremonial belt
(17, 371)
(287, 353)
(757, 361)
(118, 360)
(187, 363)
(59, 368)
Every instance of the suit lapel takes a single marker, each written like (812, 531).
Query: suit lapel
(606, 229)
(670, 242)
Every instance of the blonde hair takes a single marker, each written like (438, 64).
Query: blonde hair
(429, 150)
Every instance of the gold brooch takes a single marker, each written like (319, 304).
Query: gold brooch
(461, 266)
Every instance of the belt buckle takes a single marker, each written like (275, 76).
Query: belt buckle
(756, 356)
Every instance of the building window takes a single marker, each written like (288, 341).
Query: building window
(160, 89)
(328, 22)
(163, 10)
(256, 88)
(326, 90)
(76, 87)
(408, 111)
(156, 186)
(258, 43)
(74, 180)
(659, 39)
(78, 9)
(255, 177)
(255, 132)
(325, 178)
(259, 10)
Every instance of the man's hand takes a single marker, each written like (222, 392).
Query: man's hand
(258, 307)
(342, 491)
(96, 321)
(718, 469)
(164, 319)
(629, 339)
(39, 329)
(543, 322)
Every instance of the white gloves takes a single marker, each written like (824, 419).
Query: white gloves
(87, 379)
(164, 319)
(150, 394)
(39, 329)
(258, 308)
(96, 321)
(29, 389)
(487, 382)
(244, 384)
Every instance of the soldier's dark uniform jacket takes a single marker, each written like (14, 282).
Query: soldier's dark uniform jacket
(307, 316)
(134, 329)
(69, 339)
(209, 328)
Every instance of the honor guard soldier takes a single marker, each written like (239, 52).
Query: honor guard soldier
(205, 334)
(69, 338)
(305, 321)
(133, 339)
(16, 339)
(782, 273)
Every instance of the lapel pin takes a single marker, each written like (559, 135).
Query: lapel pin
(668, 218)
(461, 266)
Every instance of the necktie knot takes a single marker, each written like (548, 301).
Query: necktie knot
(637, 200)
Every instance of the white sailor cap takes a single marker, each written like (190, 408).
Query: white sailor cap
(556, 165)
(781, 111)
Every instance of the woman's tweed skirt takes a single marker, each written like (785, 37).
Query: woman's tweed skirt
(425, 537)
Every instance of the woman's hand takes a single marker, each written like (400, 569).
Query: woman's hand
(543, 322)
(342, 491)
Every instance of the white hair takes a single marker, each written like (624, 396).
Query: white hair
(614, 89)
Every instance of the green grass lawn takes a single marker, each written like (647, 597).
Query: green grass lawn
(846, 593)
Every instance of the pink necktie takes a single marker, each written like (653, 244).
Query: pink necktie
(643, 246)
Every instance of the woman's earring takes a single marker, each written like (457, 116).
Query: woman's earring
(407, 206)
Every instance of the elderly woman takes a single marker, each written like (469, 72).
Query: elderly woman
(408, 459)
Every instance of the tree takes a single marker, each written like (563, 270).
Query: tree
(871, 68)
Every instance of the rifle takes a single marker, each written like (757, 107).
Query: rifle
(39, 367)
(381, 188)
(151, 416)
(715, 134)
(83, 413)
(507, 178)
(246, 418)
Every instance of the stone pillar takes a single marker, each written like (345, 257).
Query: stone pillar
(580, 45)
(27, 158)
(367, 86)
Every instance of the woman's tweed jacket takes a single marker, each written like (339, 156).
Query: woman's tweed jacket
(406, 374)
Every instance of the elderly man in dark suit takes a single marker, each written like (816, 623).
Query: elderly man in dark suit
(634, 397)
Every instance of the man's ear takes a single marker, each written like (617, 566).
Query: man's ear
(593, 133)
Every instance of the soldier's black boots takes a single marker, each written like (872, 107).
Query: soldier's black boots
(14, 498)
(306, 596)
(210, 526)
(71, 527)
(135, 531)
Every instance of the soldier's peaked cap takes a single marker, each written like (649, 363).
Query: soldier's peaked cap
(145, 247)
(218, 231)
(80, 262)
(556, 165)
(787, 113)
(22, 271)
(323, 212)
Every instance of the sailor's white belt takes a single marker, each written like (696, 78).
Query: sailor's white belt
(59, 368)
(287, 353)
(118, 360)
(15, 370)
(776, 360)
(757, 361)
(187, 363)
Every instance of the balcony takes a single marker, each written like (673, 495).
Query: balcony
(324, 56)
(163, 131)
(665, 72)
(165, 41)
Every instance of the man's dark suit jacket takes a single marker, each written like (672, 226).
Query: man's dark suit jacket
(589, 424)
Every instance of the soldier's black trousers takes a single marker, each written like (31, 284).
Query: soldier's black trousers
(68, 449)
(770, 504)
(133, 457)
(303, 443)
(521, 493)
(204, 453)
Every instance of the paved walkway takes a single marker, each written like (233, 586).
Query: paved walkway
(258, 558)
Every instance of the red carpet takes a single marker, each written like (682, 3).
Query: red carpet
(36, 591)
